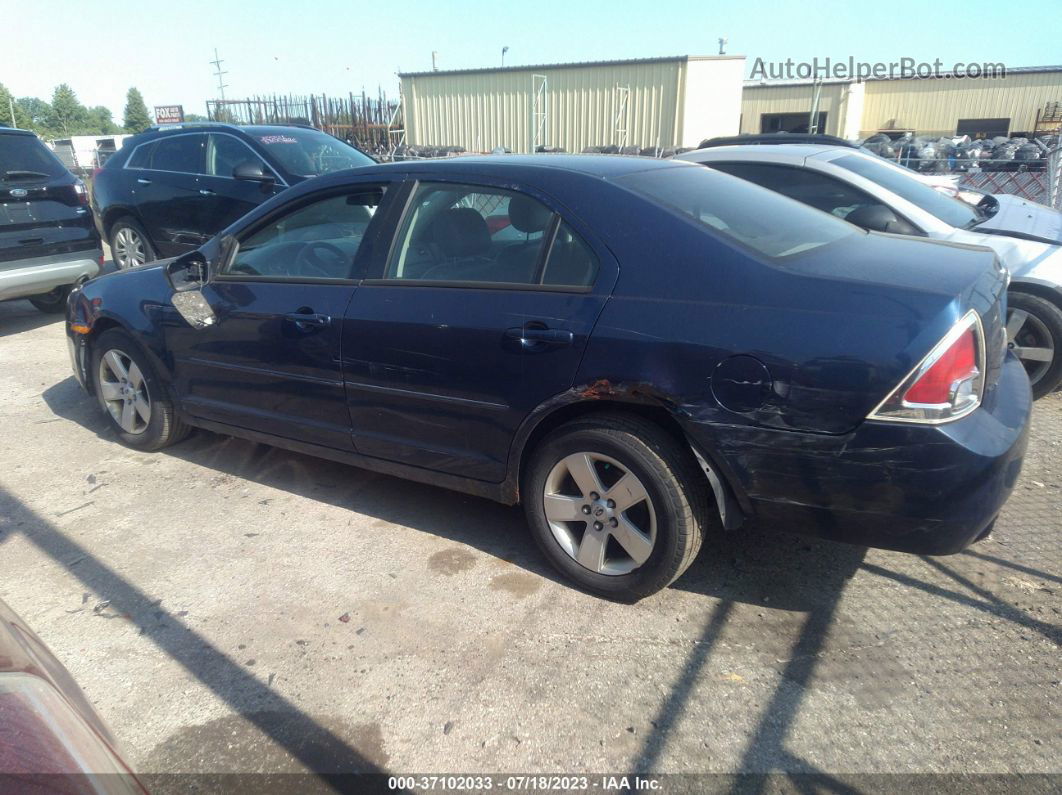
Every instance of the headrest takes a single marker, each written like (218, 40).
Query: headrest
(461, 232)
(527, 215)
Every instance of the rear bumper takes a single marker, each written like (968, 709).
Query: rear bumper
(914, 488)
(21, 278)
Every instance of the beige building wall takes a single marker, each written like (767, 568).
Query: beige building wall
(930, 107)
(933, 107)
(484, 109)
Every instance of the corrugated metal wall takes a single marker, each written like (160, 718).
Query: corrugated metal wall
(933, 107)
(484, 110)
(757, 100)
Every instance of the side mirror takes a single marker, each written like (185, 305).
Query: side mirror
(252, 171)
(187, 274)
(879, 218)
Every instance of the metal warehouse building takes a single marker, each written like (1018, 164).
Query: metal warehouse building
(653, 102)
(1028, 99)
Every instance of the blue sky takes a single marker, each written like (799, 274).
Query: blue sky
(336, 46)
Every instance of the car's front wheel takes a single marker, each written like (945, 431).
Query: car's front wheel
(616, 504)
(52, 302)
(130, 245)
(130, 393)
(1034, 334)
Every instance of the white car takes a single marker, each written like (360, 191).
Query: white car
(880, 196)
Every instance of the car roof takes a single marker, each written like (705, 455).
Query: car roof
(16, 131)
(602, 166)
(777, 138)
(775, 152)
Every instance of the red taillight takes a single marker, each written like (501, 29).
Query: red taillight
(946, 384)
(956, 364)
(81, 193)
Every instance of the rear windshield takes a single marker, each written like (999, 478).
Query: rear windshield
(907, 186)
(24, 158)
(761, 219)
(310, 153)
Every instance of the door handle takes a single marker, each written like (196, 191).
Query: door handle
(143, 181)
(205, 192)
(537, 338)
(308, 321)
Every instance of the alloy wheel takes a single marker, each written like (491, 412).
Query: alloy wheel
(124, 391)
(1028, 337)
(600, 513)
(129, 250)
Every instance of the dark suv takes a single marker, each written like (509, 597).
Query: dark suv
(172, 188)
(47, 239)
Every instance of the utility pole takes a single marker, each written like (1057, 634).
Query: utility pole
(219, 74)
(504, 50)
(11, 107)
(722, 46)
(434, 55)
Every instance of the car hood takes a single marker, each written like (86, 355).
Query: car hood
(1025, 217)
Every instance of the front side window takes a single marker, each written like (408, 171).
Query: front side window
(181, 153)
(765, 221)
(465, 233)
(315, 241)
(310, 153)
(225, 153)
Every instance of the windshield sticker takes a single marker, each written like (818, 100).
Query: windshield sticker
(278, 139)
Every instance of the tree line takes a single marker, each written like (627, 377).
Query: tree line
(65, 116)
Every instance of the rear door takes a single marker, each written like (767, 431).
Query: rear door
(43, 207)
(167, 192)
(480, 312)
(227, 199)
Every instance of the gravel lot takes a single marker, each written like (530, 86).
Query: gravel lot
(230, 607)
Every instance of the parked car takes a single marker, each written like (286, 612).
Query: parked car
(174, 187)
(614, 343)
(47, 239)
(51, 739)
(879, 196)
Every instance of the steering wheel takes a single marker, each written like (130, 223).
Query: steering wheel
(335, 265)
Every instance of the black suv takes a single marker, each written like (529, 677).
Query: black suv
(47, 239)
(172, 188)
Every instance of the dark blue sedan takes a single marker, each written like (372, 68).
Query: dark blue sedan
(628, 347)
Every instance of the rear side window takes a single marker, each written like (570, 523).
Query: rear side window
(475, 234)
(141, 157)
(181, 153)
(763, 220)
(25, 157)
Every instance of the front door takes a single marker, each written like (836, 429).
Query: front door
(271, 361)
(480, 313)
(226, 199)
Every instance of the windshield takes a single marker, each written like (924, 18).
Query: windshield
(310, 153)
(761, 219)
(951, 211)
(24, 157)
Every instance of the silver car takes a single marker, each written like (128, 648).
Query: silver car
(877, 195)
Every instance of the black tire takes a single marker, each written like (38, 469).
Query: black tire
(670, 476)
(135, 229)
(1042, 329)
(53, 302)
(164, 426)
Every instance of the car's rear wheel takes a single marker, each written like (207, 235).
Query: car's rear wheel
(130, 393)
(130, 245)
(616, 504)
(53, 301)
(1034, 334)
